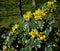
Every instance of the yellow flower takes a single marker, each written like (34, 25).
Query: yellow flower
(39, 14)
(50, 3)
(30, 33)
(14, 27)
(44, 36)
(41, 38)
(33, 33)
(4, 47)
(41, 33)
(38, 17)
(33, 36)
(43, 14)
(27, 16)
(36, 31)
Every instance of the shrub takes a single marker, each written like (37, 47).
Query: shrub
(35, 31)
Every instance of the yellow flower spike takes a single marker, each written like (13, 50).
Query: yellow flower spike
(50, 3)
(4, 48)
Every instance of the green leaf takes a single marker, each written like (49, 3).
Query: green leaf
(40, 24)
(28, 48)
(31, 42)
(48, 48)
(37, 43)
(51, 23)
(48, 30)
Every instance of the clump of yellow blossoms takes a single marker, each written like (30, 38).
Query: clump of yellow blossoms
(50, 3)
(4, 48)
(34, 33)
(39, 14)
(40, 35)
(15, 27)
(43, 37)
(27, 16)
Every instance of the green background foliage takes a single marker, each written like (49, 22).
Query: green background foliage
(9, 11)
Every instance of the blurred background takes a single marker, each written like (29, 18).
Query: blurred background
(9, 11)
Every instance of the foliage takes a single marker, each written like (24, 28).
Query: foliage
(34, 32)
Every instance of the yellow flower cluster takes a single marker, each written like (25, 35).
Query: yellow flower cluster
(4, 48)
(39, 14)
(40, 35)
(15, 27)
(27, 16)
(50, 3)
(43, 37)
